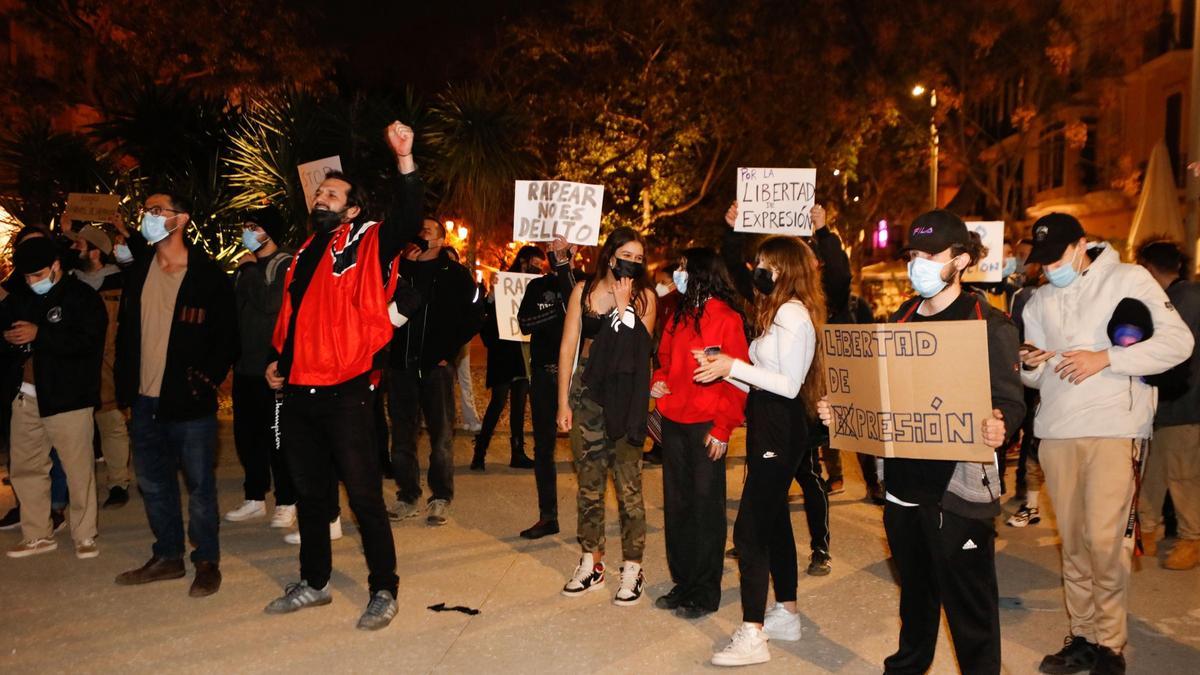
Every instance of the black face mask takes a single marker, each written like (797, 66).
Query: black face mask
(627, 269)
(323, 220)
(763, 281)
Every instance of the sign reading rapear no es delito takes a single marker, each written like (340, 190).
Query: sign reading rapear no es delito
(776, 201)
(917, 390)
(545, 208)
(509, 291)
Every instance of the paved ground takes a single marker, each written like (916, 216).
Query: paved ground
(65, 614)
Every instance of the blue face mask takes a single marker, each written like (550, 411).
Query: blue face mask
(154, 228)
(1063, 275)
(42, 287)
(680, 278)
(926, 276)
(1010, 267)
(122, 254)
(251, 241)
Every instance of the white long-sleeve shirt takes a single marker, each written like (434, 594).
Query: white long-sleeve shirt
(781, 356)
(1114, 403)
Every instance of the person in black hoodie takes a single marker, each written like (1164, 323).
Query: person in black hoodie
(422, 377)
(541, 316)
(59, 328)
(176, 341)
(507, 373)
(939, 516)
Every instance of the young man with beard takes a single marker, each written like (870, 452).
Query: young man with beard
(330, 337)
(422, 378)
(176, 340)
(96, 269)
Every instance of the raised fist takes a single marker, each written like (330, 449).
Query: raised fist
(400, 139)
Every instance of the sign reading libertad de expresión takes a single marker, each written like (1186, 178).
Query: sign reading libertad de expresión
(918, 390)
(509, 291)
(776, 201)
(545, 208)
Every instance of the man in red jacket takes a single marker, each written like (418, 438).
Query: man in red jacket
(330, 335)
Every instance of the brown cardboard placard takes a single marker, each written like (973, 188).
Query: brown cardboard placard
(87, 207)
(917, 390)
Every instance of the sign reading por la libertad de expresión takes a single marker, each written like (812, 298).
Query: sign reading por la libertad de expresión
(909, 390)
(545, 208)
(776, 201)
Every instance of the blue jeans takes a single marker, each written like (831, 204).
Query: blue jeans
(160, 450)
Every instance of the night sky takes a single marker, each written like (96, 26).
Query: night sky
(425, 44)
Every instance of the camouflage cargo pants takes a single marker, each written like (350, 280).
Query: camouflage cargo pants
(595, 455)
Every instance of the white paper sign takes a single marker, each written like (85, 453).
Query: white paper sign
(989, 269)
(776, 201)
(509, 291)
(312, 173)
(544, 208)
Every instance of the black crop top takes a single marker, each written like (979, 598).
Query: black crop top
(590, 325)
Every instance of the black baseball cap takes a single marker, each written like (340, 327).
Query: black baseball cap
(34, 255)
(1052, 234)
(935, 231)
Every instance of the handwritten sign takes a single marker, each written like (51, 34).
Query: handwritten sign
(93, 207)
(911, 390)
(510, 290)
(312, 173)
(776, 201)
(990, 268)
(545, 208)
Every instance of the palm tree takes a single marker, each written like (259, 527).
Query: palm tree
(170, 138)
(41, 167)
(480, 140)
(277, 134)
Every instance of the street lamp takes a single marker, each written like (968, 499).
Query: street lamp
(917, 91)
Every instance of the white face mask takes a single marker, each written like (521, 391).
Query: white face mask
(122, 254)
(154, 228)
(661, 289)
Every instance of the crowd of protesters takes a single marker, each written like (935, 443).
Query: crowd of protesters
(118, 344)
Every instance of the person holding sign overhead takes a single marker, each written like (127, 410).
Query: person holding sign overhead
(939, 513)
(787, 318)
(507, 374)
(603, 403)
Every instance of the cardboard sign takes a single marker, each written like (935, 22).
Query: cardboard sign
(93, 207)
(545, 208)
(776, 201)
(510, 289)
(989, 269)
(918, 390)
(312, 173)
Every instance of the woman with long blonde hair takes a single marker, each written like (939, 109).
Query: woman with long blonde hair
(787, 319)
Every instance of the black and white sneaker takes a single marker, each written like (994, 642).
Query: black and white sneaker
(589, 576)
(632, 583)
(1024, 517)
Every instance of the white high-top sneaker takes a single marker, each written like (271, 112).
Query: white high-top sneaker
(588, 576)
(780, 624)
(335, 533)
(632, 583)
(251, 508)
(284, 516)
(749, 646)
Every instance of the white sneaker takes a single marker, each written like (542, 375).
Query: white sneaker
(285, 516)
(780, 624)
(335, 533)
(86, 549)
(632, 583)
(249, 509)
(749, 646)
(588, 576)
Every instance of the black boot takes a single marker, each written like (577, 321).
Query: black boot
(519, 459)
(480, 453)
